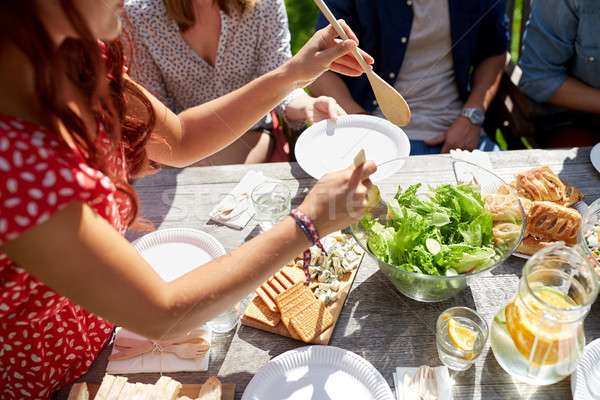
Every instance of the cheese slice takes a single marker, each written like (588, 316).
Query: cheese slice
(166, 388)
(116, 388)
(142, 391)
(104, 389)
(127, 392)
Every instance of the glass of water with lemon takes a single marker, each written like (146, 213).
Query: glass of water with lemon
(461, 335)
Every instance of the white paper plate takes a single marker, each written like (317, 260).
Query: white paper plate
(176, 251)
(580, 206)
(329, 146)
(585, 381)
(595, 156)
(318, 372)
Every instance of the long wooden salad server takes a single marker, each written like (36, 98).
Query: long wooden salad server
(391, 103)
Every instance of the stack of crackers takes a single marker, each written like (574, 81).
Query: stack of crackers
(284, 305)
(285, 298)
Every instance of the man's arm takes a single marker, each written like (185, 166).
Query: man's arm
(576, 95)
(462, 134)
(330, 84)
(485, 82)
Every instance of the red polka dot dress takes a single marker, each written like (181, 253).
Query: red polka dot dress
(46, 341)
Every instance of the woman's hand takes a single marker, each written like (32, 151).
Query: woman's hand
(321, 108)
(313, 109)
(325, 51)
(339, 198)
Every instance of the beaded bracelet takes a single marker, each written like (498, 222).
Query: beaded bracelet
(310, 230)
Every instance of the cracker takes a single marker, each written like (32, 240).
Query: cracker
(283, 280)
(291, 329)
(293, 301)
(277, 286)
(269, 290)
(294, 274)
(285, 319)
(311, 321)
(271, 305)
(259, 311)
(292, 297)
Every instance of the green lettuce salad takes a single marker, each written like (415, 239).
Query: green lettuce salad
(447, 232)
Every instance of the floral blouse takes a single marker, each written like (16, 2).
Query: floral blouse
(249, 46)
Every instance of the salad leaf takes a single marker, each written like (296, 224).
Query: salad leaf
(454, 216)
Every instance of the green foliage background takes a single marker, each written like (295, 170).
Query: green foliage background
(302, 15)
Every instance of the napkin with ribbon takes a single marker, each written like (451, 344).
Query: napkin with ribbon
(154, 359)
(442, 376)
(235, 210)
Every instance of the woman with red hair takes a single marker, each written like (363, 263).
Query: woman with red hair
(74, 128)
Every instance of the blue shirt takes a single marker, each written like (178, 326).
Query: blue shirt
(562, 39)
(479, 29)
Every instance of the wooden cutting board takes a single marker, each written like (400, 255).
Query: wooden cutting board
(334, 308)
(190, 390)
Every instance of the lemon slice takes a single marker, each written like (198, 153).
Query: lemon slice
(462, 336)
(524, 326)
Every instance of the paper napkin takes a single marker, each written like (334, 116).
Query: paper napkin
(443, 379)
(157, 361)
(468, 174)
(235, 209)
(476, 156)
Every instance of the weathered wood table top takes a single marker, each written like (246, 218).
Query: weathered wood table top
(377, 322)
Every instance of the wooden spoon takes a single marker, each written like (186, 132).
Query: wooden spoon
(391, 103)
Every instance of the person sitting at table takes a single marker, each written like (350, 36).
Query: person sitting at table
(426, 49)
(560, 61)
(74, 128)
(192, 51)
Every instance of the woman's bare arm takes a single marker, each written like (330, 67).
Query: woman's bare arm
(203, 130)
(81, 256)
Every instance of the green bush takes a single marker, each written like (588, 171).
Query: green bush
(302, 15)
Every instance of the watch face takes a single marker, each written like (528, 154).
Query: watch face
(474, 114)
(478, 116)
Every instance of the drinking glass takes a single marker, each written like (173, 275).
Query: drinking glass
(272, 203)
(461, 334)
(225, 321)
(538, 336)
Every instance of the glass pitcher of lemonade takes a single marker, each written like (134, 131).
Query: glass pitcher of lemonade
(538, 336)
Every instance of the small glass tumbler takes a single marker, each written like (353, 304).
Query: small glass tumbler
(225, 321)
(272, 203)
(461, 334)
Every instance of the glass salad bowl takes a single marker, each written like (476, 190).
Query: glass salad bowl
(441, 222)
(589, 234)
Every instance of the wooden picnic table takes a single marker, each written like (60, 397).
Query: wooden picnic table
(377, 322)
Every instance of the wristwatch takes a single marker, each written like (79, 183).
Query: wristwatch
(475, 115)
